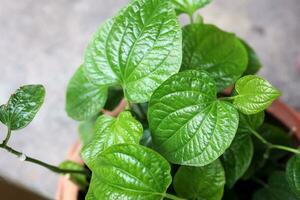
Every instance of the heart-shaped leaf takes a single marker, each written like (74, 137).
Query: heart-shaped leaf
(138, 49)
(254, 94)
(237, 158)
(189, 125)
(254, 64)
(206, 182)
(109, 131)
(293, 174)
(189, 6)
(220, 53)
(128, 171)
(84, 99)
(22, 106)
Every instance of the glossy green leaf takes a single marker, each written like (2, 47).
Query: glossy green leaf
(109, 131)
(189, 6)
(128, 171)
(293, 174)
(254, 64)
(138, 49)
(22, 106)
(277, 189)
(206, 182)
(78, 179)
(189, 125)
(86, 130)
(237, 157)
(254, 94)
(220, 53)
(84, 99)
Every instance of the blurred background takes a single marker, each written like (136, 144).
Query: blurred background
(42, 41)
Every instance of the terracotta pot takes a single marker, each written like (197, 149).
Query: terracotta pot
(281, 111)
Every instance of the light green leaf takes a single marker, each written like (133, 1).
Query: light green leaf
(78, 179)
(189, 6)
(218, 52)
(189, 125)
(84, 99)
(138, 49)
(109, 131)
(128, 171)
(86, 130)
(205, 182)
(254, 94)
(293, 174)
(22, 106)
(237, 158)
(254, 64)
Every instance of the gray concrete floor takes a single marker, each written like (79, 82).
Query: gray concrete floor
(43, 42)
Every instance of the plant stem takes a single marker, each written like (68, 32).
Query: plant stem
(172, 197)
(7, 136)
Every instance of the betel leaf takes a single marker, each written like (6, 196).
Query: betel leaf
(218, 52)
(22, 106)
(78, 179)
(277, 189)
(138, 49)
(189, 125)
(293, 174)
(237, 157)
(248, 123)
(109, 131)
(254, 64)
(86, 130)
(254, 94)
(128, 171)
(206, 182)
(189, 6)
(84, 99)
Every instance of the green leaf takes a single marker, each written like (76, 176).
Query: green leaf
(84, 99)
(109, 131)
(293, 174)
(128, 171)
(216, 51)
(254, 64)
(189, 6)
(86, 130)
(206, 182)
(138, 49)
(277, 189)
(78, 179)
(237, 158)
(254, 94)
(189, 125)
(22, 106)
(248, 123)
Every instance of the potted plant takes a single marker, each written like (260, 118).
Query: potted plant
(173, 132)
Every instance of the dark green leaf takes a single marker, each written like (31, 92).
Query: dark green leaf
(189, 6)
(128, 171)
(109, 131)
(138, 49)
(22, 106)
(206, 182)
(84, 99)
(251, 122)
(293, 174)
(254, 64)
(218, 52)
(254, 94)
(237, 157)
(189, 125)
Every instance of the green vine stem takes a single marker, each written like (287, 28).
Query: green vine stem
(172, 197)
(7, 137)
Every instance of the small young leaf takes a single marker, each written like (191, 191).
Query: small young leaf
(78, 179)
(237, 157)
(128, 171)
(84, 99)
(293, 174)
(254, 65)
(254, 94)
(206, 182)
(109, 131)
(189, 125)
(220, 53)
(22, 106)
(189, 6)
(138, 49)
